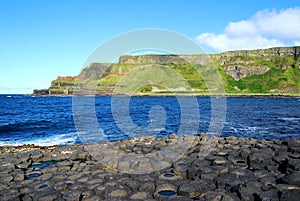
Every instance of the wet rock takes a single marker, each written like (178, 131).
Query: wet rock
(169, 177)
(236, 169)
(164, 190)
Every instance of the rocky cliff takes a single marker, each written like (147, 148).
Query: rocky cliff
(238, 64)
(273, 70)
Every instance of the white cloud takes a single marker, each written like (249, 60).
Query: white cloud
(223, 42)
(239, 29)
(284, 24)
(267, 28)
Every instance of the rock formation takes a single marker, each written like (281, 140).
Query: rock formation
(245, 71)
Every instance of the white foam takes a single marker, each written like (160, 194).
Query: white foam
(159, 129)
(290, 119)
(61, 139)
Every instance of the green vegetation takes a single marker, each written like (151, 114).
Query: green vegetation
(273, 71)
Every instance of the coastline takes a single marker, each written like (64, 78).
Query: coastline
(227, 95)
(235, 169)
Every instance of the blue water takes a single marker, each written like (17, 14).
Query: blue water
(49, 120)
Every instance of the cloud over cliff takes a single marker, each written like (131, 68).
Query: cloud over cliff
(267, 28)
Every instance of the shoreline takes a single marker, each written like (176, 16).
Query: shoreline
(234, 169)
(172, 95)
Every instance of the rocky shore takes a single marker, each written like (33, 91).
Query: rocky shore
(233, 169)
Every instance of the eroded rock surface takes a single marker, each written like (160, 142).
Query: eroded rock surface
(235, 169)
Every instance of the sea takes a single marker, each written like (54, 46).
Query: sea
(68, 120)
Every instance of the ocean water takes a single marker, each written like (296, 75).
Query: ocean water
(56, 121)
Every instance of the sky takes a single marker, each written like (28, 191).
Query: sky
(41, 39)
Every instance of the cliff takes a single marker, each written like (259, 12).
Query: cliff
(264, 71)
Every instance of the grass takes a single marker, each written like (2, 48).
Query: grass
(283, 76)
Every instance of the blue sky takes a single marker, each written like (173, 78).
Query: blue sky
(41, 39)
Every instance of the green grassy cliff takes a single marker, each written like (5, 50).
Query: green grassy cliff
(247, 72)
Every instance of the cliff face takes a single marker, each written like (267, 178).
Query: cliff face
(246, 71)
(238, 64)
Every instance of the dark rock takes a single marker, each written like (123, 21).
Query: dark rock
(294, 149)
(194, 173)
(294, 156)
(177, 198)
(9, 197)
(133, 185)
(257, 160)
(211, 195)
(49, 195)
(283, 165)
(270, 195)
(230, 197)
(189, 189)
(72, 195)
(293, 164)
(244, 170)
(40, 92)
(210, 177)
(224, 179)
(292, 179)
(6, 178)
(23, 166)
(115, 192)
(140, 195)
(92, 198)
(279, 148)
(147, 186)
(25, 197)
(290, 195)
(245, 194)
(180, 169)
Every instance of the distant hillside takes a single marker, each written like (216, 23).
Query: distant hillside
(265, 71)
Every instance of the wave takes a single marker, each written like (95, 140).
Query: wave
(21, 126)
(31, 126)
(59, 139)
(293, 119)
